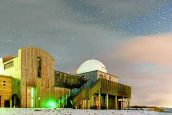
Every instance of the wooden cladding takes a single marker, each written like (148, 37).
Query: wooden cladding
(114, 88)
(37, 69)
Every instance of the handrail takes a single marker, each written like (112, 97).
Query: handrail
(95, 83)
(80, 91)
(86, 87)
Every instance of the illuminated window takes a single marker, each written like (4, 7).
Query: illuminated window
(8, 65)
(39, 66)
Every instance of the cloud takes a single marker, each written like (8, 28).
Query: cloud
(148, 49)
(145, 64)
(53, 26)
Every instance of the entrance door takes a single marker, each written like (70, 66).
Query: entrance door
(119, 105)
(30, 97)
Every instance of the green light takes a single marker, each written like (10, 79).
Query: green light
(51, 104)
(32, 92)
(32, 97)
(58, 104)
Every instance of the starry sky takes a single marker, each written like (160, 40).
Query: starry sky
(133, 38)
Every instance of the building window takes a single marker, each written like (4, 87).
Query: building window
(39, 66)
(8, 65)
(110, 78)
(100, 76)
(4, 83)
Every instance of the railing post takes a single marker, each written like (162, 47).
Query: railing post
(66, 99)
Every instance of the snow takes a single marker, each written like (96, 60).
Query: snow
(24, 111)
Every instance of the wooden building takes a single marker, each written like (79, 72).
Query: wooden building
(97, 92)
(34, 83)
(33, 73)
(5, 90)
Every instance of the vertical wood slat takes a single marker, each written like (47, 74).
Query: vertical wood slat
(45, 89)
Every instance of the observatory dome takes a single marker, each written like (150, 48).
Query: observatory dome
(91, 65)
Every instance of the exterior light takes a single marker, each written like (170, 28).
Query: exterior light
(51, 104)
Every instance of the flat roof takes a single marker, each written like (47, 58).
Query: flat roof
(98, 71)
(5, 76)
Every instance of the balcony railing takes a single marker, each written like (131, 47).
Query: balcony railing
(68, 81)
(114, 88)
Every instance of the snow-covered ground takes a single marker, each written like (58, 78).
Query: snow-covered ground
(23, 111)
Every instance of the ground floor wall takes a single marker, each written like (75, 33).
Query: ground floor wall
(37, 97)
(5, 91)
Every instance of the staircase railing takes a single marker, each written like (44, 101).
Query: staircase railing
(62, 101)
(84, 91)
(92, 87)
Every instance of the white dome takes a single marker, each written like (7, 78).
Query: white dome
(91, 65)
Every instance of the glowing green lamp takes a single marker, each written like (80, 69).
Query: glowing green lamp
(51, 104)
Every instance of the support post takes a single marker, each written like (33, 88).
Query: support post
(122, 103)
(99, 101)
(26, 96)
(116, 102)
(92, 101)
(128, 103)
(82, 104)
(107, 101)
(10, 103)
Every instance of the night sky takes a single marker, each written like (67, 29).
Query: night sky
(133, 38)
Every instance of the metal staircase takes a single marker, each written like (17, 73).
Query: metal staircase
(78, 90)
(65, 100)
(89, 89)
(86, 91)
(78, 94)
